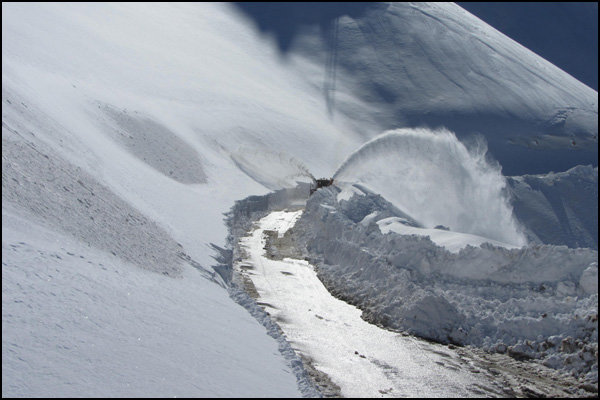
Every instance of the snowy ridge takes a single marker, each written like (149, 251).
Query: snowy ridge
(437, 180)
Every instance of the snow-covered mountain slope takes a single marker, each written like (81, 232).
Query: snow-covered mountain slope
(129, 129)
(121, 125)
(558, 208)
(158, 102)
(79, 321)
(566, 34)
(434, 64)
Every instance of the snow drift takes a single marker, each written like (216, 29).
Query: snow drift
(270, 169)
(437, 180)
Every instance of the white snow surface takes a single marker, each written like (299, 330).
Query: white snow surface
(453, 241)
(362, 359)
(129, 129)
(158, 101)
(78, 321)
(119, 122)
(558, 208)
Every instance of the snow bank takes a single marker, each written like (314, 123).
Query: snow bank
(359, 358)
(452, 241)
(437, 180)
(524, 301)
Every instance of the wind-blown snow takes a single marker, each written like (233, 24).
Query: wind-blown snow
(272, 170)
(437, 180)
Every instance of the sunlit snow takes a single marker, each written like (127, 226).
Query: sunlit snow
(129, 130)
(332, 333)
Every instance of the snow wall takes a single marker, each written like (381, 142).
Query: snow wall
(539, 301)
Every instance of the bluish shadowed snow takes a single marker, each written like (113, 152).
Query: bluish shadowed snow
(558, 208)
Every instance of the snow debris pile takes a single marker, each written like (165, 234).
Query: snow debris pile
(535, 302)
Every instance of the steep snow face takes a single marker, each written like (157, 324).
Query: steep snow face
(120, 126)
(558, 208)
(435, 179)
(435, 64)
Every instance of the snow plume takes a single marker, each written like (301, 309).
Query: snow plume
(437, 180)
(274, 170)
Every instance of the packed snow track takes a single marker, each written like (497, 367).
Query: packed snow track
(362, 359)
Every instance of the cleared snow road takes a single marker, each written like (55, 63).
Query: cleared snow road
(362, 359)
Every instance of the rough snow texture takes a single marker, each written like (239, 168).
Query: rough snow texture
(361, 359)
(440, 235)
(558, 208)
(143, 112)
(526, 302)
(34, 178)
(239, 220)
